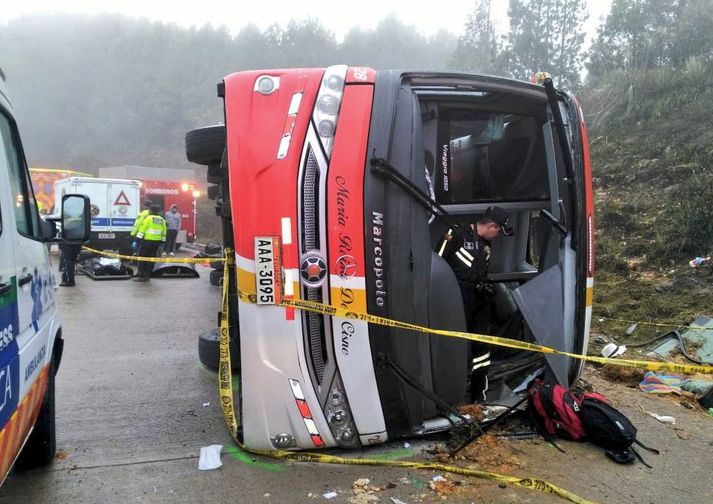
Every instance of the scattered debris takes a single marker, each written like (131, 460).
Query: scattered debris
(601, 340)
(407, 445)
(394, 500)
(62, 455)
(619, 374)
(706, 400)
(210, 457)
(206, 404)
(697, 261)
(518, 435)
(697, 386)
(489, 452)
(581, 386)
(330, 495)
(695, 343)
(661, 418)
(661, 384)
(682, 433)
(630, 330)
(442, 486)
(361, 484)
(363, 493)
(363, 498)
(266, 495)
(612, 350)
(474, 411)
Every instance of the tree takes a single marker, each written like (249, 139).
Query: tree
(546, 35)
(479, 48)
(646, 34)
(692, 33)
(307, 44)
(393, 44)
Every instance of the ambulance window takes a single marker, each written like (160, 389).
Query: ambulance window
(26, 215)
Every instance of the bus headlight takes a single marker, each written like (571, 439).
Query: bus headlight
(339, 416)
(329, 101)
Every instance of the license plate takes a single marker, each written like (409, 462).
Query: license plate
(107, 236)
(268, 271)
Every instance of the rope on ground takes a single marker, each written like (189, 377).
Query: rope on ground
(654, 324)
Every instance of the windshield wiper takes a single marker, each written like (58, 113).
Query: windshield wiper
(382, 168)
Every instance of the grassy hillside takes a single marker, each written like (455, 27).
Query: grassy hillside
(652, 156)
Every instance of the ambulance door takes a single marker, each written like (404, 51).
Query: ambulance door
(34, 278)
(9, 358)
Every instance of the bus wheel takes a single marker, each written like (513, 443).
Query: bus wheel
(209, 350)
(205, 145)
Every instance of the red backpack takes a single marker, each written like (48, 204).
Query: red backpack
(555, 410)
(558, 413)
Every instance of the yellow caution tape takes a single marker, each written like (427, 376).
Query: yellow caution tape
(323, 309)
(225, 384)
(193, 260)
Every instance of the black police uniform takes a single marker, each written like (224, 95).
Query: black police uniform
(468, 255)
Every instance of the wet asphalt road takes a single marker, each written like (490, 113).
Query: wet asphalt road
(132, 416)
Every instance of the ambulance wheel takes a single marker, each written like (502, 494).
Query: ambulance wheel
(205, 145)
(42, 443)
(209, 350)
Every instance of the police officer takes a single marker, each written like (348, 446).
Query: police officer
(151, 234)
(146, 205)
(68, 252)
(467, 251)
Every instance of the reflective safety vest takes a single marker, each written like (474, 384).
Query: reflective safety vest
(153, 228)
(137, 222)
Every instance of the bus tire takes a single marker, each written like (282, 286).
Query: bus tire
(41, 446)
(209, 350)
(205, 145)
(216, 277)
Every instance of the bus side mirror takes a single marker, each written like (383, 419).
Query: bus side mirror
(76, 218)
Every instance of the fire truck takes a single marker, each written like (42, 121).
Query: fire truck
(329, 184)
(165, 187)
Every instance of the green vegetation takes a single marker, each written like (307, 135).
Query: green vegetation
(652, 155)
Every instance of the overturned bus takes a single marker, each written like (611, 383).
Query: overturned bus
(328, 181)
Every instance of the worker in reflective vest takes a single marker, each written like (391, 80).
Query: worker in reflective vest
(151, 234)
(467, 251)
(146, 205)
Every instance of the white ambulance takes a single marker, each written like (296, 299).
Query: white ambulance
(30, 330)
(114, 207)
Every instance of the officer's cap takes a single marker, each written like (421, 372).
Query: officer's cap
(501, 218)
